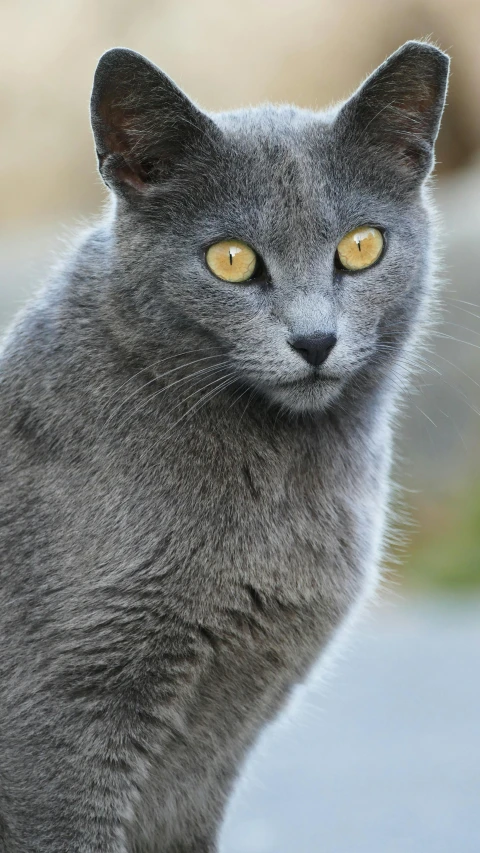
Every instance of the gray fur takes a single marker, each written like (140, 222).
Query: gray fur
(177, 546)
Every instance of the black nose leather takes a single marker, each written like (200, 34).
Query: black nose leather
(314, 348)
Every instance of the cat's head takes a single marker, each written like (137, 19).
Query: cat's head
(291, 245)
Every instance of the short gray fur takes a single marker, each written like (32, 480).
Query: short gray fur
(189, 512)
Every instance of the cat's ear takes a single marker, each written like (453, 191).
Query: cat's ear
(142, 123)
(394, 117)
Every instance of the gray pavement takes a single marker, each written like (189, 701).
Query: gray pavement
(384, 756)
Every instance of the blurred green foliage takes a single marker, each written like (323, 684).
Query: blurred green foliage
(444, 550)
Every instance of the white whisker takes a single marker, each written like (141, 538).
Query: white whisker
(147, 368)
(158, 379)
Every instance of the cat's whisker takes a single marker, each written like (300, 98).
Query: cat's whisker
(158, 379)
(399, 381)
(412, 364)
(453, 422)
(457, 340)
(425, 364)
(465, 311)
(462, 396)
(184, 379)
(452, 364)
(224, 381)
(419, 362)
(146, 369)
(243, 324)
(237, 399)
(463, 302)
(200, 391)
(465, 400)
(460, 326)
(249, 400)
(402, 384)
(425, 414)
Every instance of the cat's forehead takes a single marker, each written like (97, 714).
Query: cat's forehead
(270, 121)
(273, 135)
(273, 174)
(273, 149)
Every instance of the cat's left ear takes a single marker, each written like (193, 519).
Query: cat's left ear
(392, 121)
(143, 124)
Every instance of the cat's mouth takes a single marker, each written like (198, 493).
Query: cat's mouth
(309, 393)
(313, 378)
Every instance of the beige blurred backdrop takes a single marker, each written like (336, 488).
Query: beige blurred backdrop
(227, 54)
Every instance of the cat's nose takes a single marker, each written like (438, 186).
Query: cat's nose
(314, 348)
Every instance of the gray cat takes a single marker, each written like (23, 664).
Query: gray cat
(195, 439)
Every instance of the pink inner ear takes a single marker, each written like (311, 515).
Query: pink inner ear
(129, 176)
(415, 106)
(116, 141)
(118, 121)
(120, 140)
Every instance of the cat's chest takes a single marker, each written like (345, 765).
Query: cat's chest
(244, 504)
(230, 534)
(270, 534)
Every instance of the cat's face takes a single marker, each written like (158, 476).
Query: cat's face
(284, 187)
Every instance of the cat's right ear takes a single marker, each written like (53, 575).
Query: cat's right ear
(391, 123)
(142, 123)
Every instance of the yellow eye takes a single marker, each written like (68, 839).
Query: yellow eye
(360, 248)
(232, 260)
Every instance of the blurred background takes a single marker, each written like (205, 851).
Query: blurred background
(385, 756)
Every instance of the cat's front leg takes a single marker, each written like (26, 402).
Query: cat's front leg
(58, 827)
(62, 817)
(67, 785)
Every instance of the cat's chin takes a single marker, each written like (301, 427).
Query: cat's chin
(302, 397)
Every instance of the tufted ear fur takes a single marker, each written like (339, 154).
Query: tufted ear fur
(142, 123)
(395, 115)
